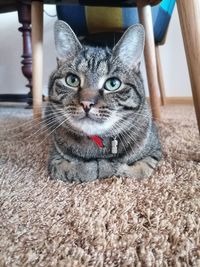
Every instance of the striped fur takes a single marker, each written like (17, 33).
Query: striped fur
(122, 114)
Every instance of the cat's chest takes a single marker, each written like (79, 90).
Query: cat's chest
(86, 146)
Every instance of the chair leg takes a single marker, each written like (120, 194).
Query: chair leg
(160, 77)
(189, 14)
(150, 60)
(37, 43)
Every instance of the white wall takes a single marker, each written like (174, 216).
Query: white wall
(11, 79)
(173, 60)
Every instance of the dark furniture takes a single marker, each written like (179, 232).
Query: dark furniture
(24, 17)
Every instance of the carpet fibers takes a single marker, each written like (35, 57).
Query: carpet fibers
(112, 222)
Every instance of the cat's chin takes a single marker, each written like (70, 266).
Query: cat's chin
(90, 127)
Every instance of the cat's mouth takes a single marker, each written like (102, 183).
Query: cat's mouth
(89, 117)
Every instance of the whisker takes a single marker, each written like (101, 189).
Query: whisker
(123, 137)
(54, 130)
(125, 132)
(50, 123)
(29, 124)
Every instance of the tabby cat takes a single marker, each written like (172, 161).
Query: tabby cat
(103, 126)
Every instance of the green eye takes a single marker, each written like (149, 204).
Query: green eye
(72, 80)
(112, 84)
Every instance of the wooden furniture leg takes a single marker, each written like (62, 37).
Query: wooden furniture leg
(37, 43)
(24, 17)
(160, 77)
(150, 59)
(189, 15)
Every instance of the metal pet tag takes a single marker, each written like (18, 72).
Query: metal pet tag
(114, 146)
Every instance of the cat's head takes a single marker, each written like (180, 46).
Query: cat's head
(93, 88)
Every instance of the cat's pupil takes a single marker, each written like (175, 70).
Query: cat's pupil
(113, 83)
(73, 79)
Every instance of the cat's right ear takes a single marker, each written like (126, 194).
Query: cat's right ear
(66, 42)
(129, 48)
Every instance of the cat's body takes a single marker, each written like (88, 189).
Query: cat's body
(97, 93)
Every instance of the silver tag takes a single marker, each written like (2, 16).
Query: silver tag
(114, 146)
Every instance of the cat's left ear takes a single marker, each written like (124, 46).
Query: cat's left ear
(66, 42)
(129, 48)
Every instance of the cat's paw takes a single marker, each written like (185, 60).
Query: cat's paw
(72, 171)
(106, 168)
(139, 170)
(59, 169)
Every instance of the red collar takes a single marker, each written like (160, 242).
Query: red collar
(97, 140)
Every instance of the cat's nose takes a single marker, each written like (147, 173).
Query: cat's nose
(87, 105)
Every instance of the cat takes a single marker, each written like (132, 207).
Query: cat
(103, 126)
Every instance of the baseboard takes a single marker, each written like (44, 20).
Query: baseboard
(179, 100)
(14, 98)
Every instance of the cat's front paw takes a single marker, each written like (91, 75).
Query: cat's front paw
(72, 171)
(139, 170)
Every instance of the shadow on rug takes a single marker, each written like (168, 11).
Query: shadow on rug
(111, 222)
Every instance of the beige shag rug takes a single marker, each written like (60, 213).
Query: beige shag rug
(112, 222)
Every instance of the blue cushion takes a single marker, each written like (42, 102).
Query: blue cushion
(161, 17)
(85, 20)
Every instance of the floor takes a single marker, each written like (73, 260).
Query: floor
(112, 222)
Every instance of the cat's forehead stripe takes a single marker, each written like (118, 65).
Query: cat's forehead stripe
(94, 60)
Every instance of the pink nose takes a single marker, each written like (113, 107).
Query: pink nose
(87, 105)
